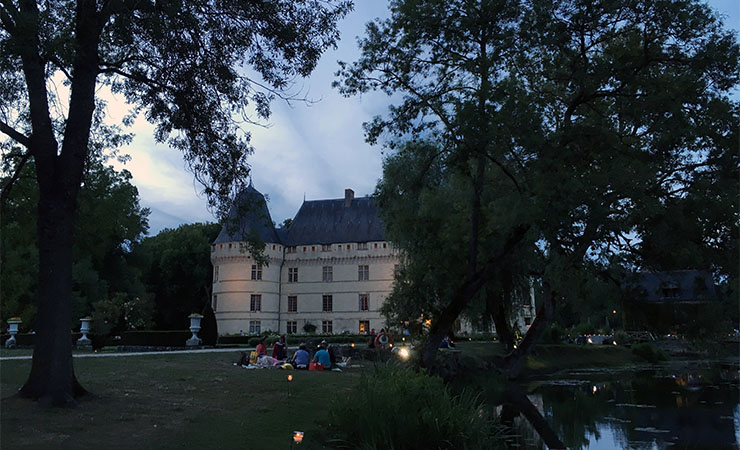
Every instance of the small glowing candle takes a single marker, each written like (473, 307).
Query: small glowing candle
(290, 377)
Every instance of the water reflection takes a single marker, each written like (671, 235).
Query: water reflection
(689, 407)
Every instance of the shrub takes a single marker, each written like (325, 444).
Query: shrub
(553, 334)
(648, 352)
(397, 408)
(309, 328)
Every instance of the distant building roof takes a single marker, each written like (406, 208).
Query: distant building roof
(673, 286)
(347, 219)
(248, 217)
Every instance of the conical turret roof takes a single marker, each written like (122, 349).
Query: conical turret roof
(248, 218)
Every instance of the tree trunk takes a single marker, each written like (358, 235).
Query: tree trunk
(52, 380)
(511, 365)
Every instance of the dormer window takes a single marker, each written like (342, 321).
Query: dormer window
(362, 246)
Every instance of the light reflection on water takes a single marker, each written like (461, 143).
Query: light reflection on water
(694, 406)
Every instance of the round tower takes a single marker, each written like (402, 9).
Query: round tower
(246, 294)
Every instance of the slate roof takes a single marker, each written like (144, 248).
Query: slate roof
(673, 286)
(317, 221)
(329, 221)
(248, 217)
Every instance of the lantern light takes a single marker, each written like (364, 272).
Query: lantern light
(298, 437)
(290, 377)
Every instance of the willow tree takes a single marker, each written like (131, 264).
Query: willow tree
(567, 121)
(199, 70)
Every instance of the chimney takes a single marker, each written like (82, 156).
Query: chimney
(349, 194)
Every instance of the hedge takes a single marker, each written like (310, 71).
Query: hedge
(151, 338)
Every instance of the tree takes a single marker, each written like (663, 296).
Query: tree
(110, 221)
(175, 266)
(568, 121)
(183, 64)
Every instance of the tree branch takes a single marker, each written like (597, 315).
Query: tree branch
(9, 185)
(15, 135)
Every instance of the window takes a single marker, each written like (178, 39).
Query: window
(347, 246)
(326, 273)
(292, 303)
(364, 303)
(292, 326)
(326, 303)
(362, 246)
(376, 245)
(290, 249)
(396, 270)
(255, 327)
(255, 302)
(325, 247)
(327, 327)
(363, 273)
(384, 245)
(364, 326)
(527, 321)
(215, 273)
(292, 274)
(256, 271)
(313, 248)
(229, 245)
(215, 302)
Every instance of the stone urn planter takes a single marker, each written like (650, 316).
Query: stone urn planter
(84, 341)
(13, 324)
(194, 341)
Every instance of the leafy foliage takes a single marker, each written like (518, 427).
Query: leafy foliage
(397, 408)
(110, 222)
(176, 268)
(547, 138)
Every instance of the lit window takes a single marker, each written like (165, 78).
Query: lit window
(292, 326)
(362, 246)
(364, 306)
(292, 274)
(255, 327)
(292, 303)
(256, 271)
(326, 303)
(327, 327)
(364, 326)
(363, 273)
(255, 302)
(327, 273)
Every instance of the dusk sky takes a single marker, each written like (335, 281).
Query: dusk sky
(315, 150)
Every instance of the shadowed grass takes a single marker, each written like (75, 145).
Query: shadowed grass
(172, 402)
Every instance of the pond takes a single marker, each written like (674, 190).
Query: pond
(692, 404)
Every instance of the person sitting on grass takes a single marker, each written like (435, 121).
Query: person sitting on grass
(322, 357)
(301, 358)
(261, 347)
(280, 349)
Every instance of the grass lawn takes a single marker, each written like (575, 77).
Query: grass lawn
(173, 402)
(200, 400)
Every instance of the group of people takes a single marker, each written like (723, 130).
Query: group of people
(322, 359)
